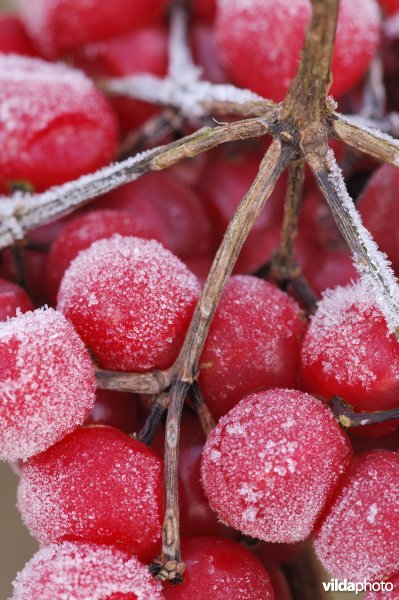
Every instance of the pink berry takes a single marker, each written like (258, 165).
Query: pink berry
(272, 464)
(379, 208)
(253, 343)
(390, 7)
(358, 537)
(260, 42)
(12, 298)
(348, 351)
(51, 115)
(131, 301)
(46, 380)
(81, 232)
(65, 24)
(221, 569)
(81, 571)
(96, 485)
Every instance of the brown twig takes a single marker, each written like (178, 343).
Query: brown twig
(347, 417)
(157, 411)
(201, 408)
(274, 163)
(135, 383)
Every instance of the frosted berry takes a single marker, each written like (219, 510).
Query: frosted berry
(385, 595)
(12, 298)
(358, 537)
(47, 383)
(260, 42)
(253, 343)
(81, 232)
(63, 25)
(50, 114)
(390, 7)
(348, 351)
(96, 485)
(221, 569)
(131, 301)
(81, 571)
(272, 464)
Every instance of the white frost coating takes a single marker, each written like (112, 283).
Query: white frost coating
(181, 65)
(376, 271)
(79, 571)
(22, 212)
(361, 123)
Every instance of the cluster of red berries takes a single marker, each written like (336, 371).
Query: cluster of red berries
(123, 278)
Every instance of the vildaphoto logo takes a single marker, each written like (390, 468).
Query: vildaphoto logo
(335, 585)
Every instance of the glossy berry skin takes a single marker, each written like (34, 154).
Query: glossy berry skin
(131, 301)
(170, 208)
(12, 298)
(204, 9)
(143, 50)
(13, 36)
(115, 409)
(253, 343)
(379, 209)
(55, 114)
(222, 569)
(47, 384)
(96, 485)
(61, 26)
(348, 352)
(81, 571)
(260, 42)
(358, 536)
(272, 464)
(390, 7)
(80, 233)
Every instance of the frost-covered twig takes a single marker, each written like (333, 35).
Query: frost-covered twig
(370, 262)
(21, 213)
(371, 141)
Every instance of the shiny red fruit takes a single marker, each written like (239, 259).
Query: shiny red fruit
(12, 299)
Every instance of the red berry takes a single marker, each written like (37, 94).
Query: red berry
(272, 464)
(139, 51)
(253, 343)
(63, 25)
(115, 409)
(13, 36)
(358, 537)
(131, 301)
(204, 9)
(51, 115)
(390, 7)
(12, 298)
(96, 485)
(379, 208)
(205, 53)
(170, 208)
(221, 569)
(81, 232)
(348, 352)
(260, 42)
(81, 571)
(46, 380)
